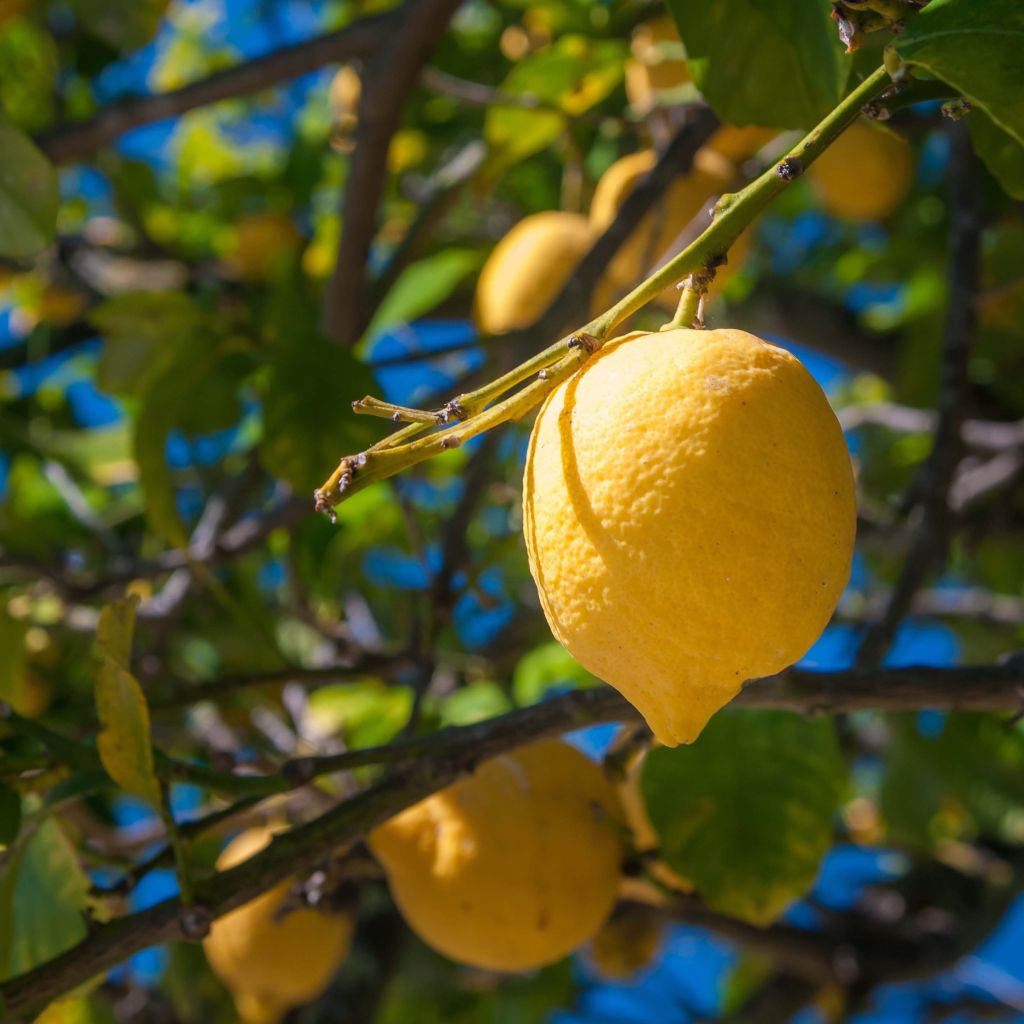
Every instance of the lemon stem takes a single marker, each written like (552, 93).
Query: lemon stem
(546, 370)
(688, 312)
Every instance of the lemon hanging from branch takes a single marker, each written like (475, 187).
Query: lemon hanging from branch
(689, 517)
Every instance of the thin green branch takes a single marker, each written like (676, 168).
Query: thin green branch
(733, 213)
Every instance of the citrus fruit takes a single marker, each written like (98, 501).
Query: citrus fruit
(271, 957)
(660, 231)
(689, 518)
(261, 242)
(528, 267)
(864, 175)
(658, 64)
(628, 941)
(511, 868)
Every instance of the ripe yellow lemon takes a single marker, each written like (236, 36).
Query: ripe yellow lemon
(512, 868)
(659, 232)
(262, 241)
(739, 144)
(864, 175)
(628, 941)
(689, 517)
(528, 267)
(270, 957)
(658, 64)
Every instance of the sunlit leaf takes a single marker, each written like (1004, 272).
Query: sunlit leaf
(778, 64)
(975, 46)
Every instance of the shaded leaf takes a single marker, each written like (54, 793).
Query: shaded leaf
(308, 423)
(43, 892)
(13, 662)
(974, 46)
(777, 63)
(141, 332)
(1002, 154)
(948, 779)
(28, 195)
(124, 743)
(10, 815)
(124, 24)
(746, 812)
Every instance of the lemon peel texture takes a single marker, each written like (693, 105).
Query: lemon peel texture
(689, 517)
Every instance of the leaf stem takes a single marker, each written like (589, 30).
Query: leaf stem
(732, 214)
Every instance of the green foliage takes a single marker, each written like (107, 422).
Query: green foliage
(975, 47)
(1002, 152)
(124, 743)
(745, 813)
(961, 778)
(123, 24)
(42, 896)
(28, 195)
(777, 64)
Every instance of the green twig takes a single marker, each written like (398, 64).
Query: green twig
(733, 213)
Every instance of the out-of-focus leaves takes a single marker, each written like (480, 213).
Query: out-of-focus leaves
(366, 713)
(166, 404)
(547, 667)
(13, 663)
(43, 892)
(746, 811)
(571, 76)
(777, 64)
(124, 24)
(10, 815)
(124, 743)
(28, 69)
(28, 195)
(975, 47)
(422, 286)
(141, 333)
(474, 703)
(308, 423)
(1002, 153)
(959, 777)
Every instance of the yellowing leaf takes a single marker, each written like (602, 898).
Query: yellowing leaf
(124, 743)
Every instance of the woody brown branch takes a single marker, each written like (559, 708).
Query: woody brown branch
(428, 763)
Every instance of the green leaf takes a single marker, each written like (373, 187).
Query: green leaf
(10, 815)
(975, 46)
(13, 662)
(43, 892)
(124, 24)
(1002, 154)
(308, 423)
(474, 703)
(366, 713)
(776, 63)
(962, 777)
(546, 667)
(141, 334)
(165, 404)
(746, 812)
(124, 742)
(422, 286)
(572, 75)
(29, 195)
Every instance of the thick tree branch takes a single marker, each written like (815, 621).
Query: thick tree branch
(360, 39)
(428, 763)
(929, 548)
(387, 80)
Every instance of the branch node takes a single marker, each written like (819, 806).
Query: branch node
(195, 922)
(790, 168)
